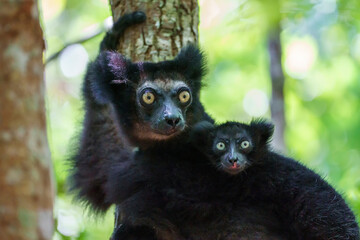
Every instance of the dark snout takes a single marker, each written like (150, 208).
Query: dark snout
(171, 119)
(234, 162)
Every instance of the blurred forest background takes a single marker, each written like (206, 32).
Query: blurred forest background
(321, 61)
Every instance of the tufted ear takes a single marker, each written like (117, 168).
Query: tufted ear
(262, 130)
(109, 70)
(191, 62)
(202, 133)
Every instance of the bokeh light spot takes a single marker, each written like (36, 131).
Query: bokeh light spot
(300, 57)
(52, 8)
(256, 103)
(326, 6)
(73, 60)
(68, 223)
(109, 22)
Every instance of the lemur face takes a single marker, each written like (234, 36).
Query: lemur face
(152, 101)
(162, 106)
(230, 147)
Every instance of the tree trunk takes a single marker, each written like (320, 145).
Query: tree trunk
(26, 198)
(170, 25)
(277, 80)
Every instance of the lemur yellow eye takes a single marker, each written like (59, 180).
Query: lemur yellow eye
(245, 144)
(148, 97)
(220, 146)
(184, 96)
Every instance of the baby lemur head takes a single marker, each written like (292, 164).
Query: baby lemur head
(232, 146)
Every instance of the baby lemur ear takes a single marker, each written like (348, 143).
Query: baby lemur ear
(191, 62)
(263, 130)
(110, 69)
(201, 133)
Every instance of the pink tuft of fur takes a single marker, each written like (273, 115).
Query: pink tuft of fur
(117, 64)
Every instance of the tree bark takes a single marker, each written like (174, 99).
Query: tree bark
(170, 25)
(277, 80)
(26, 198)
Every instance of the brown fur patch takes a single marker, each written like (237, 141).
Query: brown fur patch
(144, 132)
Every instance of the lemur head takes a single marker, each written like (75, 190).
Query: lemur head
(232, 146)
(153, 101)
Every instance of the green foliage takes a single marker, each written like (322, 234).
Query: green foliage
(322, 90)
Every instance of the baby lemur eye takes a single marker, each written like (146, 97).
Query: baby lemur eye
(148, 97)
(245, 144)
(184, 96)
(220, 146)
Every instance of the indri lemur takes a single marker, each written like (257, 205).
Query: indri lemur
(140, 104)
(168, 185)
(226, 183)
(306, 206)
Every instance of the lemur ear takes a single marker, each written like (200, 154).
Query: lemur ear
(263, 130)
(191, 62)
(108, 70)
(201, 133)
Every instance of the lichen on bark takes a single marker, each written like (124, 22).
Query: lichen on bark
(170, 25)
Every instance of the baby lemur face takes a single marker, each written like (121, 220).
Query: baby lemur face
(232, 147)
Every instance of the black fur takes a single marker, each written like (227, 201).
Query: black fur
(112, 79)
(125, 232)
(178, 192)
(170, 187)
(112, 125)
(100, 141)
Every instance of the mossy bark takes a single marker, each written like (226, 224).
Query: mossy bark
(26, 199)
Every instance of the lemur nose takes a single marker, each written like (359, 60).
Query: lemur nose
(172, 121)
(233, 160)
